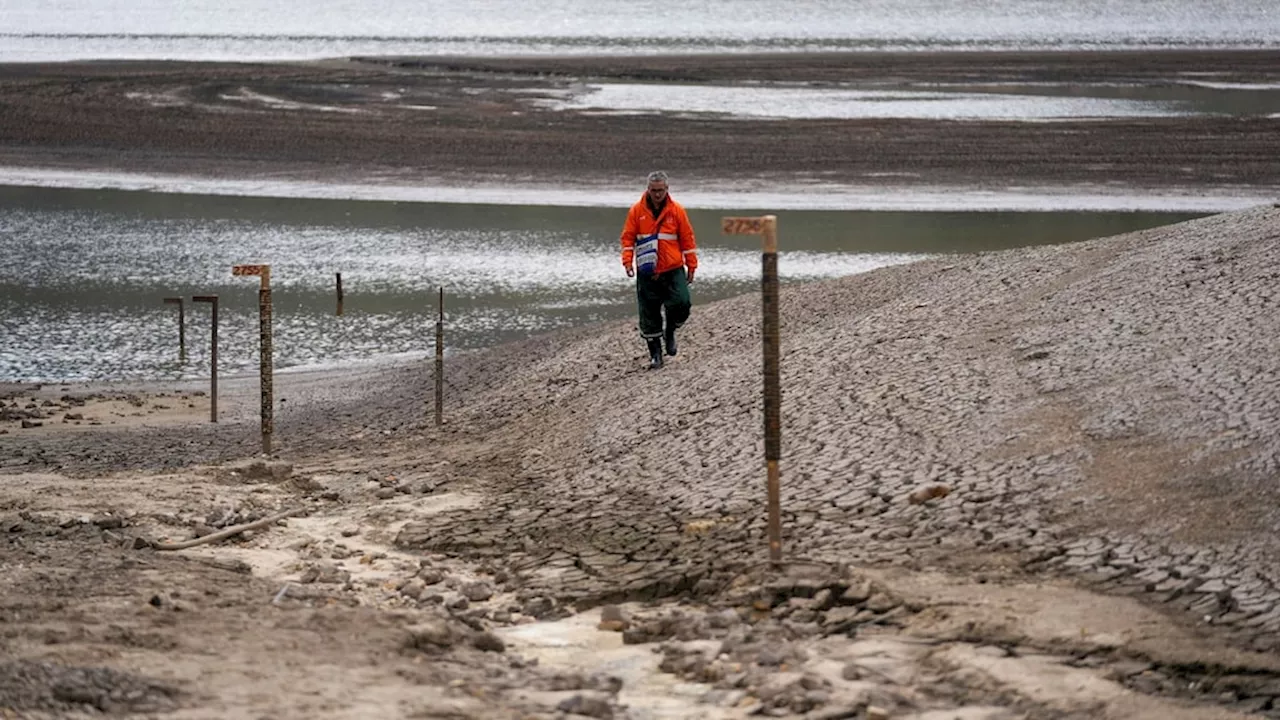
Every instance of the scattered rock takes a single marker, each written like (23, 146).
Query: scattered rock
(429, 635)
(588, 704)
(929, 492)
(108, 522)
(262, 471)
(882, 602)
(612, 619)
(413, 589)
(538, 607)
(306, 483)
(477, 591)
(488, 642)
(324, 573)
(856, 594)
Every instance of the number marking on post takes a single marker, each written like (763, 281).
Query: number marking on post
(742, 225)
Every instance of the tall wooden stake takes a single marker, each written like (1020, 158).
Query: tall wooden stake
(440, 363)
(264, 340)
(772, 384)
(767, 226)
(339, 294)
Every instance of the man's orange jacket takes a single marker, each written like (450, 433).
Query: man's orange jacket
(676, 244)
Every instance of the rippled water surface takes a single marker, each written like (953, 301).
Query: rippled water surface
(261, 29)
(83, 273)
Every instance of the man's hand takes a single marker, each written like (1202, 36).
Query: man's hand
(691, 272)
(631, 272)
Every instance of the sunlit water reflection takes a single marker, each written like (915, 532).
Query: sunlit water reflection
(83, 273)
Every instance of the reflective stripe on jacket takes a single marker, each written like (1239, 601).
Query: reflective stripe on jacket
(670, 231)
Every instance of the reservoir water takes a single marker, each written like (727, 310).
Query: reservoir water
(83, 273)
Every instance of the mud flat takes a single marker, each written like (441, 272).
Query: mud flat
(461, 121)
(585, 538)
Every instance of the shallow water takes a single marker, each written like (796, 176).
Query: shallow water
(83, 273)
(1011, 101)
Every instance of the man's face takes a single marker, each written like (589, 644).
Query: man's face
(658, 191)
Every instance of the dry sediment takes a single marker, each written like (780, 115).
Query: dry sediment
(1104, 411)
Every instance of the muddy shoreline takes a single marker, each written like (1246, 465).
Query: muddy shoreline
(1102, 415)
(1097, 411)
(457, 120)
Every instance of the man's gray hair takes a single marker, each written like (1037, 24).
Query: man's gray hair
(657, 176)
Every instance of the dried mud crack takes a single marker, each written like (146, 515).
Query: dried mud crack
(1102, 416)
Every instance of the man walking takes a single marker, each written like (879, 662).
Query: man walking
(657, 247)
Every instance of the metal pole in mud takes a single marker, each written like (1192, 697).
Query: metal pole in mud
(182, 327)
(264, 339)
(213, 353)
(767, 226)
(339, 294)
(440, 363)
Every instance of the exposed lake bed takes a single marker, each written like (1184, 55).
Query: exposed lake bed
(581, 537)
(442, 121)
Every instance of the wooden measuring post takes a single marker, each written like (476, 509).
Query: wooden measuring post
(213, 352)
(182, 326)
(767, 226)
(339, 276)
(440, 363)
(264, 339)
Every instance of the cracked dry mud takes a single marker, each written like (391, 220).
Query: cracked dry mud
(586, 538)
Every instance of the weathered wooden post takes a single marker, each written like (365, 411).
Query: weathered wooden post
(182, 327)
(767, 226)
(264, 339)
(440, 363)
(213, 352)
(339, 276)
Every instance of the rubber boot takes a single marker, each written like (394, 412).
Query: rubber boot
(669, 337)
(655, 353)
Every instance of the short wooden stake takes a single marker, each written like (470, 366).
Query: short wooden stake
(213, 353)
(339, 275)
(182, 326)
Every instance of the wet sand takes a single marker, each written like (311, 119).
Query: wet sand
(456, 121)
